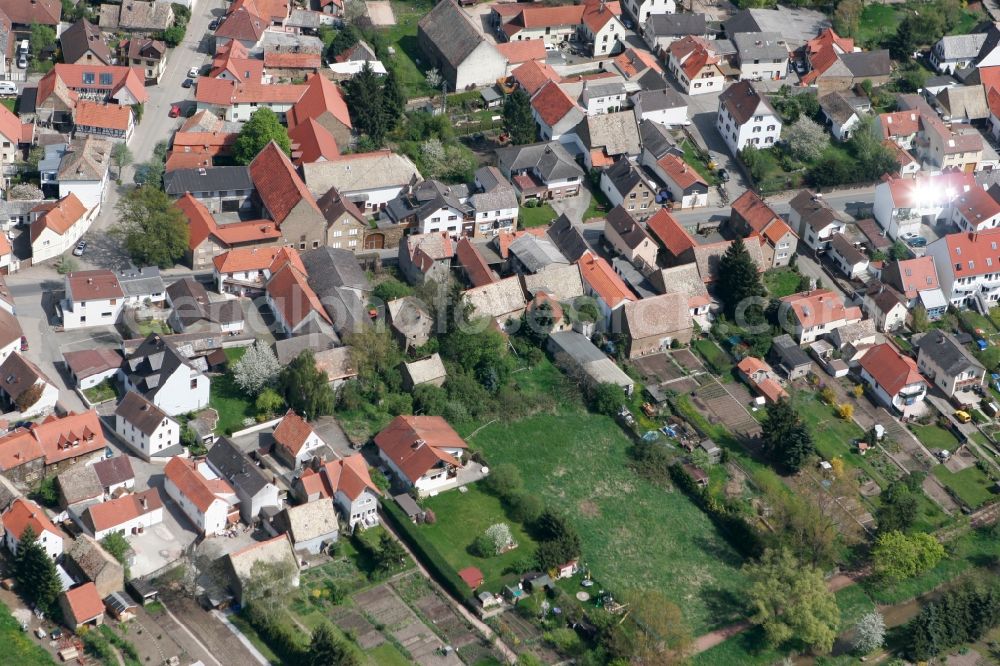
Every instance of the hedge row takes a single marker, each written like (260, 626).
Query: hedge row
(740, 534)
(425, 551)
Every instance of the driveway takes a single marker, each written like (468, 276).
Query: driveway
(574, 207)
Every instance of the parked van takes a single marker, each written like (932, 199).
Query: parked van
(8, 88)
(24, 47)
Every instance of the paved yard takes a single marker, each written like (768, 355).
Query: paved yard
(380, 12)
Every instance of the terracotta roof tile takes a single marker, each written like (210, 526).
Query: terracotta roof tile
(59, 216)
(193, 485)
(679, 171)
(534, 74)
(669, 231)
(417, 443)
(84, 602)
(321, 96)
(278, 183)
(108, 116)
(890, 369)
(521, 51)
(292, 432)
(22, 513)
(69, 436)
(818, 307)
(114, 512)
(602, 279)
(552, 103)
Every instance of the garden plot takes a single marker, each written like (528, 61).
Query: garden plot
(364, 632)
(386, 609)
(722, 407)
(380, 12)
(687, 360)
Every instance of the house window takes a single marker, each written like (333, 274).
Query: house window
(106, 79)
(194, 383)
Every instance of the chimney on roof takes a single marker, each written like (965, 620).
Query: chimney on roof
(143, 502)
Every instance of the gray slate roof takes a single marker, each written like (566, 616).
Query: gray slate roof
(536, 253)
(955, 47)
(658, 99)
(330, 268)
(656, 139)
(236, 468)
(947, 353)
(179, 181)
(141, 281)
(867, 63)
(675, 25)
(451, 32)
(568, 238)
(789, 351)
(760, 46)
(551, 159)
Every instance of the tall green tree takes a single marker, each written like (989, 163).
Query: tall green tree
(121, 157)
(306, 388)
(35, 573)
(847, 17)
(328, 649)
(898, 508)
(738, 277)
(42, 36)
(152, 228)
(791, 602)
(785, 438)
(517, 118)
(374, 102)
(262, 128)
(897, 556)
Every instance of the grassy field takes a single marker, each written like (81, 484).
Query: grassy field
(468, 516)
(781, 281)
(971, 484)
(539, 216)
(635, 535)
(18, 647)
(834, 436)
(388, 654)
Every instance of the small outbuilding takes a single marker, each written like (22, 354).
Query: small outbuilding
(429, 370)
(82, 606)
(472, 576)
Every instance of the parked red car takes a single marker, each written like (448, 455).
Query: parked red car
(175, 110)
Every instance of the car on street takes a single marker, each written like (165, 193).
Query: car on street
(914, 240)
(187, 83)
(80, 248)
(213, 25)
(175, 110)
(723, 175)
(8, 88)
(963, 416)
(24, 343)
(193, 72)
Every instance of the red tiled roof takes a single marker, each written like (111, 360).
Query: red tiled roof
(26, 12)
(973, 253)
(311, 142)
(899, 123)
(192, 485)
(278, 183)
(828, 37)
(911, 192)
(669, 231)
(114, 512)
(10, 125)
(522, 51)
(348, 475)
(87, 362)
(18, 448)
(542, 17)
(59, 216)
(321, 96)
(22, 513)
(243, 259)
(820, 306)
(903, 158)
(243, 22)
(84, 603)
(214, 143)
(633, 61)
(777, 230)
(108, 116)
(976, 205)
(916, 275)
(202, 224)
(292, 60)
(890, 369)
(693, 54)
(471, 260)
(534, 74)
(196, 160)
(680, 171)
(70, 436)
(598, 13)
(598, 274)
(95, 285)
(472, 577)
(89, 77)
(993, 101)
(234, 59)
(552, 103)
(292, 295)
(416, 444)
(757, 214)
(292, 432)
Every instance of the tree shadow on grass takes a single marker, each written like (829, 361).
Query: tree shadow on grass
(723, 605)
(718, 549)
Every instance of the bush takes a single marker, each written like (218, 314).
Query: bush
(525, 508)
(845, 411)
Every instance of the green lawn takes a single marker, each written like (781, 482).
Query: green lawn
(101, 393)
(144, 328)
(935, 437)
(599, 205)
(717, 360)
(388, 654)
(971, 484)
(539, 216)
(231, 402)
(18, 647)
(9, 102)
(693, 157)
(975, 323)
(782, 281)
(834, 436)
(635, 535)
(408, 60)
(464, 516)
(878, 22)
